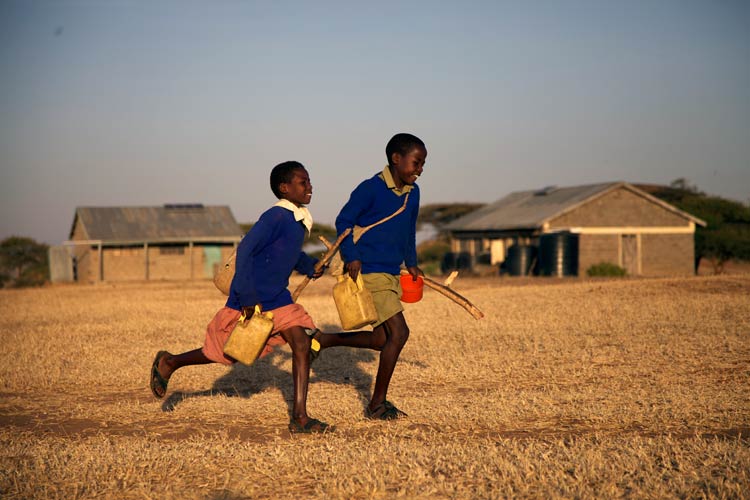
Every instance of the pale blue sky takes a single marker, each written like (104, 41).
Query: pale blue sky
(108, 103)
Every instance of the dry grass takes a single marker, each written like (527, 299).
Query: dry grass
(574, 389)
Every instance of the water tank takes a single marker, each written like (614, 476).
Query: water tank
(448, 263)
(463, 261)
(558, 254)
(455, 261)
(520, 260)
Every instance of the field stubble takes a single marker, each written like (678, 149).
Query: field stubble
(565, 389)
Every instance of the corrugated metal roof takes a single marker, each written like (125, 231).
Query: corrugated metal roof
(531, 209)
(527, 209)
(110, 224)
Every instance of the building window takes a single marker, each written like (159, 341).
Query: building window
(172, 250)
(124, 251)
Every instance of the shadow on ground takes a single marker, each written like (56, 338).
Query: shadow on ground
(337, 365)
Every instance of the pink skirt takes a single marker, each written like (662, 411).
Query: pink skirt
(219, 329)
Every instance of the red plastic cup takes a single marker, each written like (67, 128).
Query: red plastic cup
(412, 290)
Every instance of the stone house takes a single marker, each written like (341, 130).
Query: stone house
(171, 242)
(611, 222)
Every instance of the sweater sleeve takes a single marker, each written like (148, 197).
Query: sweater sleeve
(410, 258)
(348, 217)
(257, 238)
(305, 265)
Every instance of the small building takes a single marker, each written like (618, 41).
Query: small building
(171, 242)
(578, 227)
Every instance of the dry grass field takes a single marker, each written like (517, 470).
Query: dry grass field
(566, 389)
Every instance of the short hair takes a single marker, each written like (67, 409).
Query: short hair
(402, 144)
(282, 173)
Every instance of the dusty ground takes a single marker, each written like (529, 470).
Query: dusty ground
(567, 388)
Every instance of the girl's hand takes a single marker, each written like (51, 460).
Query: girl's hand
(353, 268)
(248, 311)
(318, 274)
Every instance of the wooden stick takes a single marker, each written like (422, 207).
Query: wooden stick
(327, 243)
(455, 297)
(322, 262)
(450, 278)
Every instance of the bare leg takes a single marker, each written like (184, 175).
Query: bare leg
(368, 340)
(389, 338)
(300, 344)
(397, 333)
(171, 362)
(165, 364)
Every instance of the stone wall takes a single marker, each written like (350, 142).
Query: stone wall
(667, 254)
(597, 248)
(128, 263)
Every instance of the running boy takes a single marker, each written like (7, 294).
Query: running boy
(265, 258)
(378, 255)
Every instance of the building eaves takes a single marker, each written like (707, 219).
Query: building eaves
(157, 224)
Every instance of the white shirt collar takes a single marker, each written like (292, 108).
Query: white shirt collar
(300, 213)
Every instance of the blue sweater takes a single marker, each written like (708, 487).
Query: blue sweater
(386, 246)
(266, 257)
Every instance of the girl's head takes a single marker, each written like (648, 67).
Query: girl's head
(290, 181)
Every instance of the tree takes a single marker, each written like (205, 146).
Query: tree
(23, 262)
(328, 232)
(441, 214)
(721, 244)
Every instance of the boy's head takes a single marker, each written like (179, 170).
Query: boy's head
(290, 181)
(402, 144)
(406, 158)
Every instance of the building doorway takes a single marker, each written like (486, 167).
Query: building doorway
(629, 256)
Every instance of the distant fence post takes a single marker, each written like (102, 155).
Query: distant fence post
(190, 250)
(101, 262)
(145, 260)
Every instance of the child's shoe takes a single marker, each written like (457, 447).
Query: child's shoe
(313, 426)
(384, 411)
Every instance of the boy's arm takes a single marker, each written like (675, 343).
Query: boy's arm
(410, 258)
(348, 217)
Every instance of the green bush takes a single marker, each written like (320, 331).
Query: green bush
(430, 251)
(606, 269)
(23, 262)
(431, 268)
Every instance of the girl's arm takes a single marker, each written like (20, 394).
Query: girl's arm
(305, 265)
(256, 239)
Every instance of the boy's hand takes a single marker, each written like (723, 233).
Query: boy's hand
(353, 268)
(415, 271)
